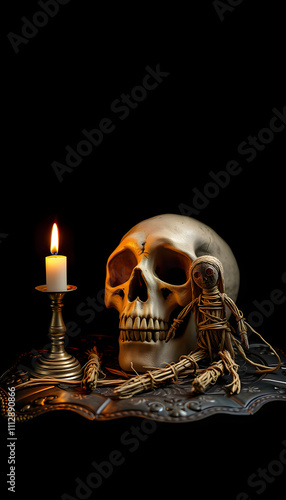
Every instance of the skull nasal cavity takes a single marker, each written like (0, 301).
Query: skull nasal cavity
(138, 287)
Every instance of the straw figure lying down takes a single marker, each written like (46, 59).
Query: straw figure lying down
(215, 339)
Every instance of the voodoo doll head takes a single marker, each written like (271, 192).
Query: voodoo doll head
(207, 272)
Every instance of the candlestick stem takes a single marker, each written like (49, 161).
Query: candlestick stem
(57, 362)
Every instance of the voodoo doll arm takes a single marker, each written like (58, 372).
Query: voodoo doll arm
(180, 319)
(242, 330)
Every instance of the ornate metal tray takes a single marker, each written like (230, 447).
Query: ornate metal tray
(170, 403)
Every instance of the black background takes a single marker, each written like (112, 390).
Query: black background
(224, 79)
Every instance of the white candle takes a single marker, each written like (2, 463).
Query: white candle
(56, 266)
(56, 273)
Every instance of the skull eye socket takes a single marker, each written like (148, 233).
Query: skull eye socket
(120, 267)
(209, 271)
(172, 267)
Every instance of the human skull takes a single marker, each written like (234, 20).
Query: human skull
(148, 282)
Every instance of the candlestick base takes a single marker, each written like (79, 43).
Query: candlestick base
(57, 363)
(66, 368)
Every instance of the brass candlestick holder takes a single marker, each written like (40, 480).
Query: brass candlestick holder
(57, 363)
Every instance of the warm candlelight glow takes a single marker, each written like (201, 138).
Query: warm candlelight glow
(56, 266)
(54, 248)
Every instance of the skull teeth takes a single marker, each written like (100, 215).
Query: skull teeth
(137, 322)
(142, 329)
(129, 323)
(150, 324)
(142, 324)
(142, 336)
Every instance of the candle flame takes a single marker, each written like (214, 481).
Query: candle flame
(54, 248)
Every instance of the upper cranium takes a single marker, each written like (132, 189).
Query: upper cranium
(148, 282)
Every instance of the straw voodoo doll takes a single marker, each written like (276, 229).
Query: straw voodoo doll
(215, 339)
(214, 335)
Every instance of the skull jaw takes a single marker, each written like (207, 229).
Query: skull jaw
(143, 355)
